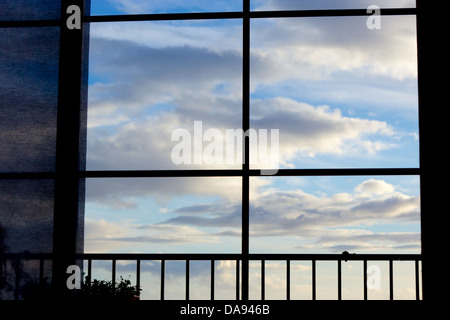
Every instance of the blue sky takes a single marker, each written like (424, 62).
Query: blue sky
(341, 95)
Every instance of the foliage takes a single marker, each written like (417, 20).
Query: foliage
(104, 289)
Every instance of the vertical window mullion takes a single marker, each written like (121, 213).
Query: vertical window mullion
(246, 153)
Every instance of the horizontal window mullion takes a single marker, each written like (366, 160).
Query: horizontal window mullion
(238, 172)
(240, 15)
(216, 173)
(329, 13)
(30, 23)
(343, 172)
(164, 17)
(159, 173)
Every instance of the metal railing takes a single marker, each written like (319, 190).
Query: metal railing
(239, 259)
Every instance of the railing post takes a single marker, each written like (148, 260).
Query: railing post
(237, 279)
(187, 279)
(339, 279)
(365, 279)
(163, 268)
(391, 280)
(138, 274)
(416, 263)
(212, 278)
(263, 280)
(313, 276)
(288, 279)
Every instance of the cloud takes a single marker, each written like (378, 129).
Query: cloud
(220, 217)
(329, 4)
(125, 193)
(308, 130)
(373, 186)
(327, 48)
(332, 221)
(139, 6)
(148, 79)
(107, 236)
(158, 84)
(376, 216)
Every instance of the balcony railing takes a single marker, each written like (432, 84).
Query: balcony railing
(40, 260)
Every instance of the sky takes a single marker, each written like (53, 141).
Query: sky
(341, 95)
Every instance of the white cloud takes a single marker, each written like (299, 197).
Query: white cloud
(152, 78)
(325, 48)
(337, 221)
(197, 79)
(306, 130)
(373, 186)
(300, 220)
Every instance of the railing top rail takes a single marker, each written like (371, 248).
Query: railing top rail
(221, 256)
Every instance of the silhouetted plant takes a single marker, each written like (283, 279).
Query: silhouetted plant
(36, 290)
(105, 289)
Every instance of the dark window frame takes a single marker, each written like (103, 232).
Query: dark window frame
(70, 173)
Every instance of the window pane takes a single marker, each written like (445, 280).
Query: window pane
(194, 215)
(150, 280)
(200, 280)
(335, 214)
(30, 9)
(26, 215)
(162, 94)
(101, 7)
(340, 94)
(301, 280)
(352, 280)
(328, 4)
(327, 280)
(404, 280)
(378, 280)
(175, 280)
(29, 59)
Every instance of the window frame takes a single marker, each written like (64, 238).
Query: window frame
(71, 173)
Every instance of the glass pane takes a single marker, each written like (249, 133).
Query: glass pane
(301, 280)
(340, 94)
(352, 280)
(150, 280)
(101, 7)
(163, 94)
(194, 215)
(200, 280)
(328, 4)
(404, 280)
(335, 214)
(275, 280)
(26, 215)
(175, 280)
(29, 59)
(225, 280)
(30, 9)
(378, 280)
(326, 280)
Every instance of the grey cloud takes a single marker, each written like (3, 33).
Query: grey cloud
(330, 4)
(141, 71)
(393, 206)
(218, 221)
